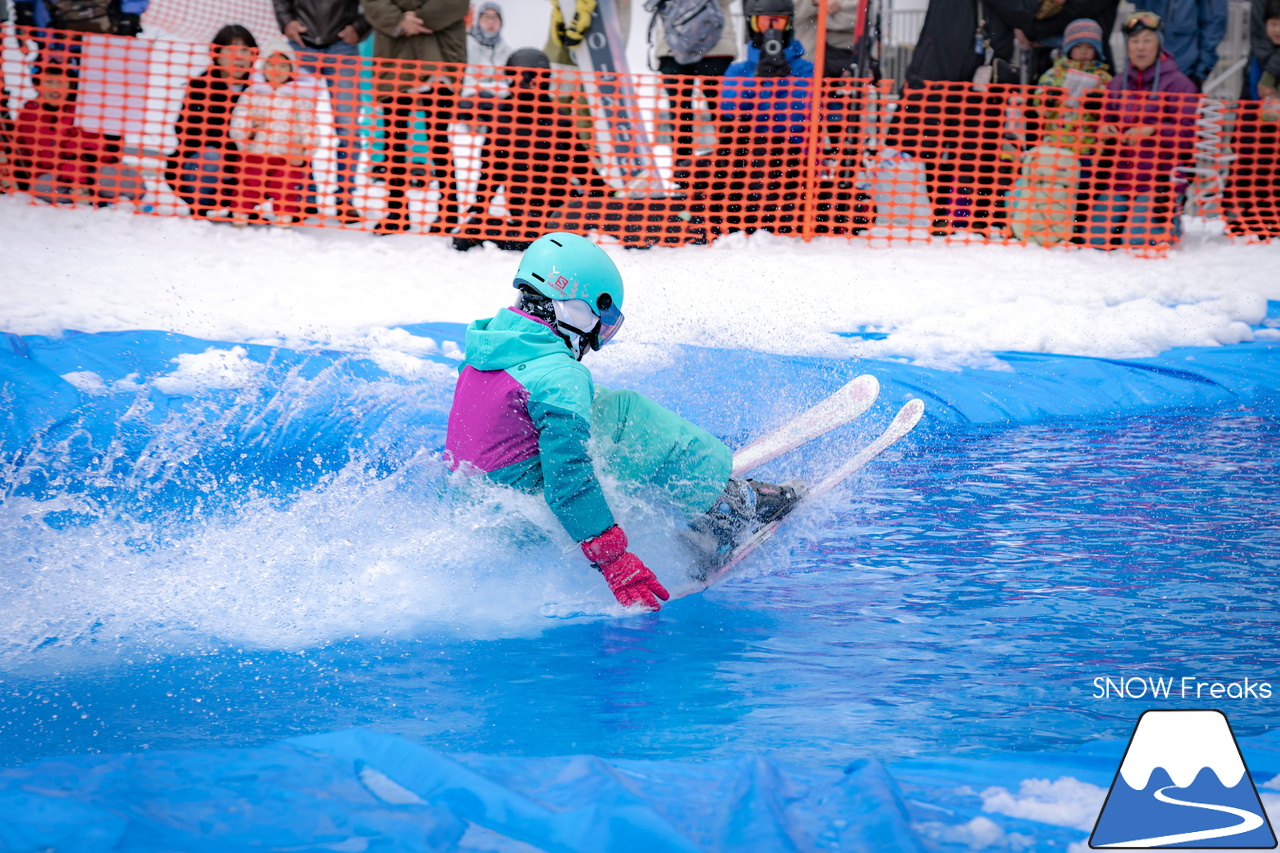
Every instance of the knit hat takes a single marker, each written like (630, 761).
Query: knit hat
(1082, 31)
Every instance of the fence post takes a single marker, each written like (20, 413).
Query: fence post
(813, 135)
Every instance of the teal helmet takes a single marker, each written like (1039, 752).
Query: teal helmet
(582, 283)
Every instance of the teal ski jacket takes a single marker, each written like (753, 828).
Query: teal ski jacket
(522, 414)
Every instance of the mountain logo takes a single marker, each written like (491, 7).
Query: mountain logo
(1183, 782)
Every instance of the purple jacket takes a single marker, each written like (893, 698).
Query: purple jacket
(1161, 96)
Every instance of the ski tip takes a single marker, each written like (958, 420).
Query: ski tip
(911, 413)
(866, 384)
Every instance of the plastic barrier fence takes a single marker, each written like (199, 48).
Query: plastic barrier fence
(243, 136)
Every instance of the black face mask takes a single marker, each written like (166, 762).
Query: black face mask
(773, 55)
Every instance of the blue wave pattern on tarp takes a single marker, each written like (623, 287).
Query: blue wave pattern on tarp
(296, 416)
(360, 789)
(367, 790)
(337, 413)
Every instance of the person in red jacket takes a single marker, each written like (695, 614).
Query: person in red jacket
(54, 158)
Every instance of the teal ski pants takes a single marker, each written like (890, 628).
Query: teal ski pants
(642, 444)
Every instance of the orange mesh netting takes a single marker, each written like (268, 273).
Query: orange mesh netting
(231, 135)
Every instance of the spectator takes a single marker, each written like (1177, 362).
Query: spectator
(685, 96)
(1043, 34)
(776, 106)
(945, 49)
(428, 31)
(1264, 38)
(54, 158)
(333, 28)
(842, 20)
(275, 125)
(957, 130)
(121, 17)
(533, 154)
(1149, 130)
(202, 169)
(1080, 69)
(766, 99)
(1193, 29)
(1252, 196)
(485, 47)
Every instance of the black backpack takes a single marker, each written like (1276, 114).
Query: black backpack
(692, 27)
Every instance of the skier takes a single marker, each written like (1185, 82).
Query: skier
(525, 409)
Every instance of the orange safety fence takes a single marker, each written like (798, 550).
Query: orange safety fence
(482, 153)
(1251, 194)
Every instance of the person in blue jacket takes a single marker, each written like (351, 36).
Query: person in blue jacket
(123, 18)
(1193, 29)
(766, 101)
(777, 99)
(527, 414)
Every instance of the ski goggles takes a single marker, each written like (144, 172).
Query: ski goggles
(1140, 21)
(577, 316)
(610, 322)
(764, 23)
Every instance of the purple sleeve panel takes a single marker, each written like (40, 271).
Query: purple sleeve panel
(489, 424)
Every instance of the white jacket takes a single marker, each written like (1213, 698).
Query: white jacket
(492, 78)
(278, 122)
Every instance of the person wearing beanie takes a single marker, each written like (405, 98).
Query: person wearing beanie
(486, 47)
(1046, 32)
(1078, 69)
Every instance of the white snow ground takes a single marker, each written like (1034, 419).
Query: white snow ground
(942, 306)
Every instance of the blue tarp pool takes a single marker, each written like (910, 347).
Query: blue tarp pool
(245, 609)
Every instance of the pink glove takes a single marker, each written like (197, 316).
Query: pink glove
(630, 580)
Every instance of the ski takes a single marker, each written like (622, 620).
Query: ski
(845, 405)
(905, 421)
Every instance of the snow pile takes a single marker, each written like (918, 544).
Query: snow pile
(935, 305)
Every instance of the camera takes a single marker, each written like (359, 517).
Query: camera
(773, 56)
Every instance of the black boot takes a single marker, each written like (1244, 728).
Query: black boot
(745, 507)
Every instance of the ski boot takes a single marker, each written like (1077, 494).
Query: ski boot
(743, 508)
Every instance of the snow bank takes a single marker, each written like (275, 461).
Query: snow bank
(935, 305)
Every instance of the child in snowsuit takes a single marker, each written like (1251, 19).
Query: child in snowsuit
(1079, 70)
(525, 410)
(275, 126)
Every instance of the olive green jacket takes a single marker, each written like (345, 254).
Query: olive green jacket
(446, 43)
